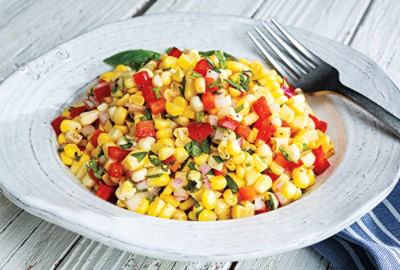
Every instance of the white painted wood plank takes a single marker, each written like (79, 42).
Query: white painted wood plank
(30, 29)
(379, 36)
(47, 240)
(226, 7)
(15, 235)
(305, 258)
(8, 211)
(333, 19)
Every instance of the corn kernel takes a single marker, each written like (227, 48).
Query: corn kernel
(238, 211)
(166, 152)
(164, 133)
(201, 159)
(251, 176)
(181, 154)
(160, 181)
(121, 68)
(125, 191)
(207, 215)
(186, 204)
(168, 62)
(72, 150)
(61, 139)
(167, 212)
(143, 206)
(263, 183)
(156, 207)
(287, 114)
(107, 76)
(185, 61)
(65, 159)
(173, 109)
(239, 158)
(200, 85)
(222, 209)
(179, 215)
(119, 115)
(170, 199)
(250, 119)
(239, 181)
(104, 138)
(230, 165)
(276, 168)
(218, 182)
(67, 125)
(234, 66)
(230, 198)
(76, 165)
(234, 148)
(288, 190)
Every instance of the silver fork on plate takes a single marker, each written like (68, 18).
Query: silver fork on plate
(313, 75)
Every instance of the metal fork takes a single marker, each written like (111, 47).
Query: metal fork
(313, 75)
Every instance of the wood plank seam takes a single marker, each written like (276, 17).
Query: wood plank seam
(61, 259)
(361, 22)
(11, 221)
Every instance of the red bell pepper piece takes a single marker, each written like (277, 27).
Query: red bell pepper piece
(93, 139)
(175, 52)
(116, 170)
(208, 82)
(142, 79)
(157, 105)
(105, 192)
(202, 67)
(271, 174)
(145, 129)
(94, 178)
(102, 91)
(265, 130)
(243, 130)
(172, 163)
(76, 111)
(319, 124)
(208, 101)
(223, 172)
(286, 164)
(228, 122)
(116, 153)
(261, 107)
(199, 131)
(56, 124)
(247, 193)
(148, 93)
(321, 163)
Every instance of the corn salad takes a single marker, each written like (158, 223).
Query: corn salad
(192, 135)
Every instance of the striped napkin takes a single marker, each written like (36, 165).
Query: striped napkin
(373, 242)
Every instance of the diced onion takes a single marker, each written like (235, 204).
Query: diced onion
(221, 101)
(207, 182)
(88, 130)
(282, 200)
(259, 204)
(135, 108)
(180, 194)
(204, 169)
(103, 117)
(142, 185)
(213, 119)
(212, 74)
(177, 182)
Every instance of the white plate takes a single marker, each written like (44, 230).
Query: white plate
(364, 170)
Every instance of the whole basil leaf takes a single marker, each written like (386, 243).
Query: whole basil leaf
(133, 58)
(227, 55)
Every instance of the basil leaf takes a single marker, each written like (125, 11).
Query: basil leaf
(133, 58)
(188, 147)
(221, 57)
(196, 203)
(154, 175)
(139, 155)
(234, 84)
(126, 146)
(199, 116)
(168, 50)
(219, 159)
(209, 53)
(100, 153)
(147, 115)
(114, 89)
(155, 161)
(192, 165)
(196, 150)
(196, 74)
(231, 184)
(239, 108)
(60, 150)
(156, 91)
(305, 147)
(191, 186)
(205, 146)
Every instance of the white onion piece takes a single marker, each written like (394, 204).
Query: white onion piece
(177, 182)
(88, 130)
(259, 204)
(207, 182)
(134, 202)
(88, 103)
(213, 119)
(180, 194)
(142, 185)
(226, 111)
(220, 101)
(103, 117)
(219, 135)
(204, 169)
(274, 107)
(136, 108)
(154, 191)
(212, 74)
(95, 102)
(240, 141)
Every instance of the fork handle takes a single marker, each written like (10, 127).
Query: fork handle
(381, 114)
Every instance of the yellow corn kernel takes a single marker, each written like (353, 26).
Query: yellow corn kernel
(119, 115)
(178, 75)
(201, 159)
(207, 215)
(250, 119)
(70, 125)
(170, 199)
(311, 176)
(234, 66)
(182, 121)
(169, 62)
(77, 164)
(166, 77)
(230, 198)
(192, 215)
(186, 204)
(160, 181)
(179, 215)
(245, 107)
(167, 190)
(222, 209)
(143, 206)
(288, 190)
(209, 199)
(124, 129)
(167, 212)
(297, 104)
(121, 68)
(180, 101)
(298, 194)
(218, 182)
(108, 126)
(132, 163)
(200, 85)
(189, 113)
(251, 176)
(214, 59)
(107, 76)
(263, 183)
(164, 133)
(230, 165)
(181, 154)
(161, 123)
(234, 92)
(259, 163)
(287, 114)
(104, 138)
(185, 61)
(282, 132)
(166, 152)
(123, 100)
(72, 150)
(125, 191)
(239, 181)
(240, 171)
(239, 158)
(61, 139)
(173, 109)
(115, 134)
(248, 161)
(65, 159)
(156, 207)
(238, 211)
(121, 204)
(136, 99)
(276, 168)
(234, 148)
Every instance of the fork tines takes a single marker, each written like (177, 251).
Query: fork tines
(296, 58)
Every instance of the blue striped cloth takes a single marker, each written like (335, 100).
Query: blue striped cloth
(373, 242)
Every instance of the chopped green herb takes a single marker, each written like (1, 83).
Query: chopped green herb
(218, 159)
(192, 165)
(239, 108)
(154, 175)
(284, 153)
(221, 58)
(126, 146)
(210, 62)
(244, 82)
(170, 116)
(209, 53)
(151, 198)
(235, 85)
(199, 116)
(97, 172)
(191, 186)
(156, 91)
(205, 146)
(147, 115)
(168, 50)
(114, 89)
(77, 157)
(305, 147)
(139, 155)
(168, 68)
(215, 83)
(60, 150)
(155, 161)
(231, 184)
(101, 152)
(198, 213)
(196, 74)
(193, 148)
(196, 203)
(182, 88)
(91, 92)
(250, 151)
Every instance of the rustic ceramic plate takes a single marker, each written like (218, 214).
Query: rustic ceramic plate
(364, 169)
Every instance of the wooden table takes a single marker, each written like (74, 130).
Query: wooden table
(29, 28)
